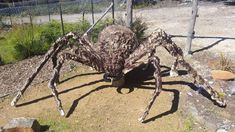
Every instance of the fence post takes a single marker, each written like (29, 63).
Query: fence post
(61, 19)
(92, 12)
(9, 6)
(191, 31)
(113, 11)
(129, 13)
(48, 8)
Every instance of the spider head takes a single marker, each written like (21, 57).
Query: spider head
(113, 73)
(116, 81)
(110, 78)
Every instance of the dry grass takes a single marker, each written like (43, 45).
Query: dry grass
(225, 63)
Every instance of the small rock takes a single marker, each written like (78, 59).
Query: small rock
(22, 124)
(221, 130)
(210, 82)
(232, 89)
(190, 94)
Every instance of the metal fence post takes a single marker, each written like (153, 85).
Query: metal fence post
(61, 19)
(191, 31)
(48, 8)
(92, 11)
(129, 13)
(113, 11)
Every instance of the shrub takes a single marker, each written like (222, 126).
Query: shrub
(225, 63)
(25, 41)
(138, 27)
(28, 42)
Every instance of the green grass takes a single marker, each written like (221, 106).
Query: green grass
(56, 125)
(188, 124)
(6, 52)
(24, 41)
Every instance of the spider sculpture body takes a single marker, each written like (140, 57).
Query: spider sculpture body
(116, 53)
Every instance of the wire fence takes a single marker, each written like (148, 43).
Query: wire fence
(43, 11)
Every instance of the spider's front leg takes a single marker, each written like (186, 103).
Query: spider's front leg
(155, 61)
(56, 48)
(132, 63)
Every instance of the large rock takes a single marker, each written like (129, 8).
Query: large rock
(222, 75)
(22, 124)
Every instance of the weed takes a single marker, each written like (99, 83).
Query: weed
(225, 63)
(188, 125)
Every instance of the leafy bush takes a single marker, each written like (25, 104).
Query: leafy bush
(138, 27)
(25, 41)
(28, 43)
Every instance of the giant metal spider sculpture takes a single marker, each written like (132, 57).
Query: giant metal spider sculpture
(116, 53)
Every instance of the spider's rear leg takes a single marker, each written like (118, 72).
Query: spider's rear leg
(158, 85)
(174, 71)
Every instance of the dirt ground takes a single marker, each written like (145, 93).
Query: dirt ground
(94, 105)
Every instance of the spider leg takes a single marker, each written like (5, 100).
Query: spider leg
(177, 52)
(132, 63)
(174, 71)
(154, 60)
(56, 47)
(52, 83)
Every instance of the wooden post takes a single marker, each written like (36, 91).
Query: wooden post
(191, 31)
(129, 13)
(61, 19)
(92, 12)
(113, 12)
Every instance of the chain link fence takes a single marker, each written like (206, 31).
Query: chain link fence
(43, 11)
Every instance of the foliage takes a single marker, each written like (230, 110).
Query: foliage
(138, 27)
(188, 124)
(145, 3)
(24, 41)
